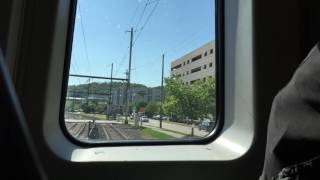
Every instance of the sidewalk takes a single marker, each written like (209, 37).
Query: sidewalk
(173, 134)
(176, 135)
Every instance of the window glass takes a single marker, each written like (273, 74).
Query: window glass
(127, 76)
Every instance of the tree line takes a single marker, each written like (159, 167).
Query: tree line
(183, 102)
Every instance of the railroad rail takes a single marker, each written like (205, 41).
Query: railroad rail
(113, 133)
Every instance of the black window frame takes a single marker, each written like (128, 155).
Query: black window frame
(196, 58)
(219, 74)
(194, 70)
(176, 67)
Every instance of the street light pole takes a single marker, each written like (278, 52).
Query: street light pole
(161, 94)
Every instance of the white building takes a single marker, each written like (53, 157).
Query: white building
(196, 65)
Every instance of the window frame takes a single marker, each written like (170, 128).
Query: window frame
(219, 74)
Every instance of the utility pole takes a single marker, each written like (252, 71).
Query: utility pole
(88, 93)
(161, 92)
(110, 91)
(129, 73)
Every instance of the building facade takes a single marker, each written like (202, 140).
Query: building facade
(196, 65)
(136, 95)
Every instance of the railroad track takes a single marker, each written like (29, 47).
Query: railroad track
(113, 133)
(80, 130)
(70, 128)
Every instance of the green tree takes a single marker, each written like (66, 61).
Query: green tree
(89, 107)
(208, 94)
(140, 105)
(192, 101)
(172, 107)
(101, 108)
(68, 106)
(152, 108)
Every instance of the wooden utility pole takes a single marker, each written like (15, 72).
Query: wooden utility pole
(110, 92)
(129, 74)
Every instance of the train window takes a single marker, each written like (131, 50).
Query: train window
(123, 84)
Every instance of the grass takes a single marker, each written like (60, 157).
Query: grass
(156, 134)
(177, 132)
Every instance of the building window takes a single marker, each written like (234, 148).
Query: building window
(205, 54)
(205, 66)
(210, 65)
(196, 70)
(188, 61)
(184, 63)
(211, 51)
(176, 67)
(196, 58)
(187, 72)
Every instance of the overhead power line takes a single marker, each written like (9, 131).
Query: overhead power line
(134, 14)
(151, 2)
(138, 23)
(140, 29)
(122, 60)
(142, 14)
(84, 39)
(146, 22)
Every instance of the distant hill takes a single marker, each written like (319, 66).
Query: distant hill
(81, 90)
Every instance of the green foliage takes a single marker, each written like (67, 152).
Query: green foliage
(72, 106)
(190, 101)
(101, 108)
(68, 106)
(152, 108)
(89, 107)
(148, 132)
(140, 105)
(81, 90)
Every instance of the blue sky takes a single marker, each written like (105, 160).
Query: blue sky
(175, 28)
